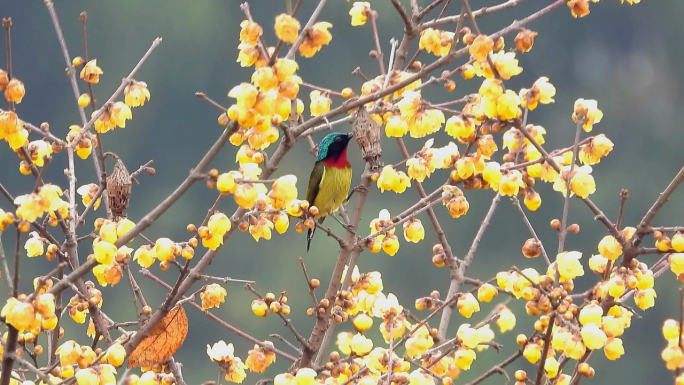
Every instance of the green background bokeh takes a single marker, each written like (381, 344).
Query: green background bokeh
(626, 57)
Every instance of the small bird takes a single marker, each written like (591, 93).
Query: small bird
(330, 178)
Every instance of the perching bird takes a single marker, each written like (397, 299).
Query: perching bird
(330, 178)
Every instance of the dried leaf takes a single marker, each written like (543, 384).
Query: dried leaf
(164, 339)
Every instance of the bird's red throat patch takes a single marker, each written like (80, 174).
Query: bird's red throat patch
(340, 162)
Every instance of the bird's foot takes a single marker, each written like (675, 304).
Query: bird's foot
(359, 189)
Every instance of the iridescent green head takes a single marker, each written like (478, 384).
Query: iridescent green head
(333, 146)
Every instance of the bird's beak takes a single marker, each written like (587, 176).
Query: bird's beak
(350, 135)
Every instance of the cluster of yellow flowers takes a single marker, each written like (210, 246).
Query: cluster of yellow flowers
(258, 359)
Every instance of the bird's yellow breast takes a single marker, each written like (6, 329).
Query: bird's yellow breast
(333, 190)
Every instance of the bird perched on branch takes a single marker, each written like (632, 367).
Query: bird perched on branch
(330, 178)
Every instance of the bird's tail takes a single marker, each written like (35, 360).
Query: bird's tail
(309, 237)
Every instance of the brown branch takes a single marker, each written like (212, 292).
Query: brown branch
(478, 13)
(545, 348)
(312, 292)
(458, 270)
(148, 274)
(376, 37)
(529, 226)
(566, 204)
(496, 368)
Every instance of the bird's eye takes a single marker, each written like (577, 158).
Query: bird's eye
(338, 139)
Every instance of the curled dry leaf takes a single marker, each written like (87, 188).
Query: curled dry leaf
(164, 339)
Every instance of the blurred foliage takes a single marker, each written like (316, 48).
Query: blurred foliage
(626, 57)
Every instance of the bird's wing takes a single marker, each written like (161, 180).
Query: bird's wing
(315, 182)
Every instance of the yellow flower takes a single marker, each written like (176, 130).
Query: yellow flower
(235, 371)
(507, 106)
(320, 103)
(87, 376)
(91, 72)
(283, 192)
(262, 229)
(221, 352)
(532, 353)
(15, 91)
(468, 336)
(614, 348)
(574, 347)
(486, 147)
(610, 248)
(87, 193)
(481, 47)
(410, 104)
(591, 314)
(116, 354)
(459, 127)
(419, 342)
(248, 55)
(315, 39)
(34, 246)
(467, 305)
(593, 336)
(286, 28)
(19, 314)
(673, 357)
(305, 376)
(390, 244)
(246, 195)
(645, 299)
(581, 182)
(457, 206)
(418, 169)
(506, 320)
(145, 256)
(245, 95)
(511, 183)
(464, 357)
(587, 113)
(492, 173)
(344, 342)
(39, 150)
(68, 353)
(569, 265)
(670, 329)
(436, 41)
(425, 123)
(163, 249)
(136, 93)
(119, 113)
(259, 358)
(259, 308)
(362, 322)
(359, 13)
(213, 296)
(250, 32)
(491, 89)
(265, 78)
(390, 179)
(551, 366)
(396, 127)
(532, 200)
(578, 8)
(414, 231)
(105, 252)
(486, 292)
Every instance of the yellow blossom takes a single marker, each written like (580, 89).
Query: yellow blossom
(410, 104)
(591, 314)
(213, 296)
(344, 342)
(593, 336)
(145, 256)
(91, 72)
(34, 246)
(459, 127)
(506, 320)
(260, 358)
(414, 231)
(136, 93)
(359, 13)
(673, 357)
(396, 127)
(286, 28)
(645, 299)
(19, 314)
(315, 39)
(613, 348)
(250, 32)
(481, 47)
(164, 248)
(116, 354)
(320, 103)
(246, 195)
(390, 244)
(119, 113)
(552, 367)
(569, 265)
(426, 123)
(467, 305)
(486, 292)
(464, 357)
(468, 336)
(532, 353)
(511, 183)
(587, 113)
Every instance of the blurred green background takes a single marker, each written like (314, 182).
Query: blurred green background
(626, 57)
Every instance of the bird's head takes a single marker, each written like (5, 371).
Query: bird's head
(333, 148)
